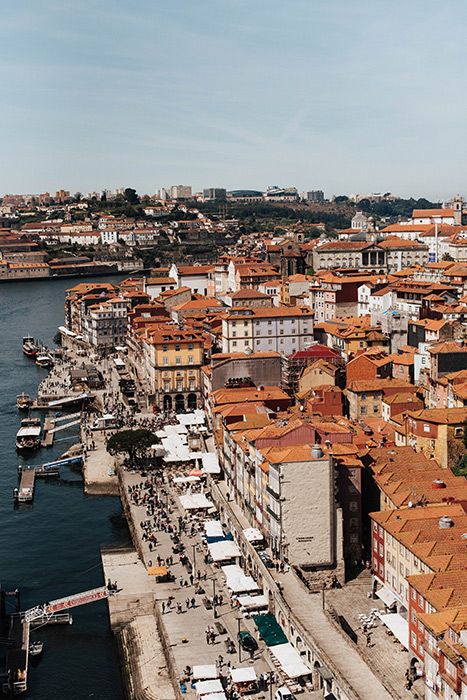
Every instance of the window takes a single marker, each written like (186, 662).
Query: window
(234, 343)
(177, 347)
(458, 432)
(426, 428)
(165, 361)
(165, 348)
(190, 359)
(178, 360)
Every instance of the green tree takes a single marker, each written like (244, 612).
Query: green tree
(131, 195)
(447, 258)
(133, 443)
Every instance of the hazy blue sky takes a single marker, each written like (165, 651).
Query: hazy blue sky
(340, 95)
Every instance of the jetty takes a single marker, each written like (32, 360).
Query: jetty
(51, 427)
(27, 476)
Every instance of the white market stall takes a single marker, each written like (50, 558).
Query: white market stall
(244, 679)
(205, 672)
(209, 686)
(248, 603)
(289, 660)
(237, 581)
(213, 530)
(253, 535)
(224, 550)
(195, 501)
(210, 463)
(398, 626)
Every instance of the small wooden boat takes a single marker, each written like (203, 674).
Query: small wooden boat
(23, 401)
(35, 648)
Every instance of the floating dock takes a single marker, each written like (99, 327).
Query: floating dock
(27, 475)
(16, 666)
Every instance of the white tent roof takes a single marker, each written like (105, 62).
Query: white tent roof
(398, 626)
(252, 534)
(290, 660)
(196, 455)
(213, 528)
(227, 549)
(243, 675)
(205, 687)
(237, 581)
(214, 696)
(194, 501)
(195, 418)
(210, 463)
(252, 602)
(386, 596)
(175, 429)
(185, 479)
(205, 672)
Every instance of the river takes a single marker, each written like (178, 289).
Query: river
(51, 549)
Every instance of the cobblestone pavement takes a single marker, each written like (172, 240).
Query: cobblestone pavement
(384, 654)
(186, 630)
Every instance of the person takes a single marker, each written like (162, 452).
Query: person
(163, 607)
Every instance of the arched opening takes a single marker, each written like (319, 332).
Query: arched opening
(167, 403)
(179, 403)
(191, 402)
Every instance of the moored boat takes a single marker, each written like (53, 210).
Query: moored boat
(30, 346)
(35, 648)
(23, 401)
(29, 435)
(43, 359)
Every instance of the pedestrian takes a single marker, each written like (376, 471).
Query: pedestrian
(368, 639)
(181, 581)
(163, 607)
(193, 602)
(179, 608)
(191, 579)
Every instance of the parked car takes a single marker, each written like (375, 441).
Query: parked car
(283, 693)
(246, 641)
(267, 561)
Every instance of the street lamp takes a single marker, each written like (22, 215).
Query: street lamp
(194, 561)
(239, 619)
(214, 597)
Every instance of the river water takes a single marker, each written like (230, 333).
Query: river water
(51, 549)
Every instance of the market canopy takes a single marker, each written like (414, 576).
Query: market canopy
(252, 534)
(226, 549)
(157, 571)
(237, 581)
(186, 479)
(211, 686)
(243, 675)
(270, 630)
(195, 418)
(210, 463)
(213, 530)
(195, 501)
(252, 602)
(290, 661)
(398, 626)
(386, 596)
(205, 672)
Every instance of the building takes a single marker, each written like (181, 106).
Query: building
(180, 192)
(315, 196)
(438, 432)
(173, 361)
(284, 330)
(105, 324)
(375, 256)
(436, 216)
(365, 396)
(215, 193)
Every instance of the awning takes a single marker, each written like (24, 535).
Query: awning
(205, 672)
(210, 463)
(213, 530)
(186, 479)
(157, 571)
(270, 630)
(398, 626)
(290, 660)
(237, 581)
(252, 602)
(325, 673)
(215, 696)
(195, 501)
(243, 675)
(386, 596)
(252, 534)
(226, 549)
(205, 687)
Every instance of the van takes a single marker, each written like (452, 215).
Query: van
(283, 693)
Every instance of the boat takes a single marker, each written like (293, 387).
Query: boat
(29, 435)
(30, 346)
(35, 648)
(23, 401)
(43, 359)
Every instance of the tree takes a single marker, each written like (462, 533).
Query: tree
(133, 443)
(130, 195)
(447, 257)
(77, 196)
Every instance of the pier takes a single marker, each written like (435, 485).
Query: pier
(27, 476)
(16, 666)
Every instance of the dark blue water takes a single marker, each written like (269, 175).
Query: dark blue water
(51, 549)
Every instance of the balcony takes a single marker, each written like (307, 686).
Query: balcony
(273, 493)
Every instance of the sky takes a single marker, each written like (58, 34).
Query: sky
(341, 95)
